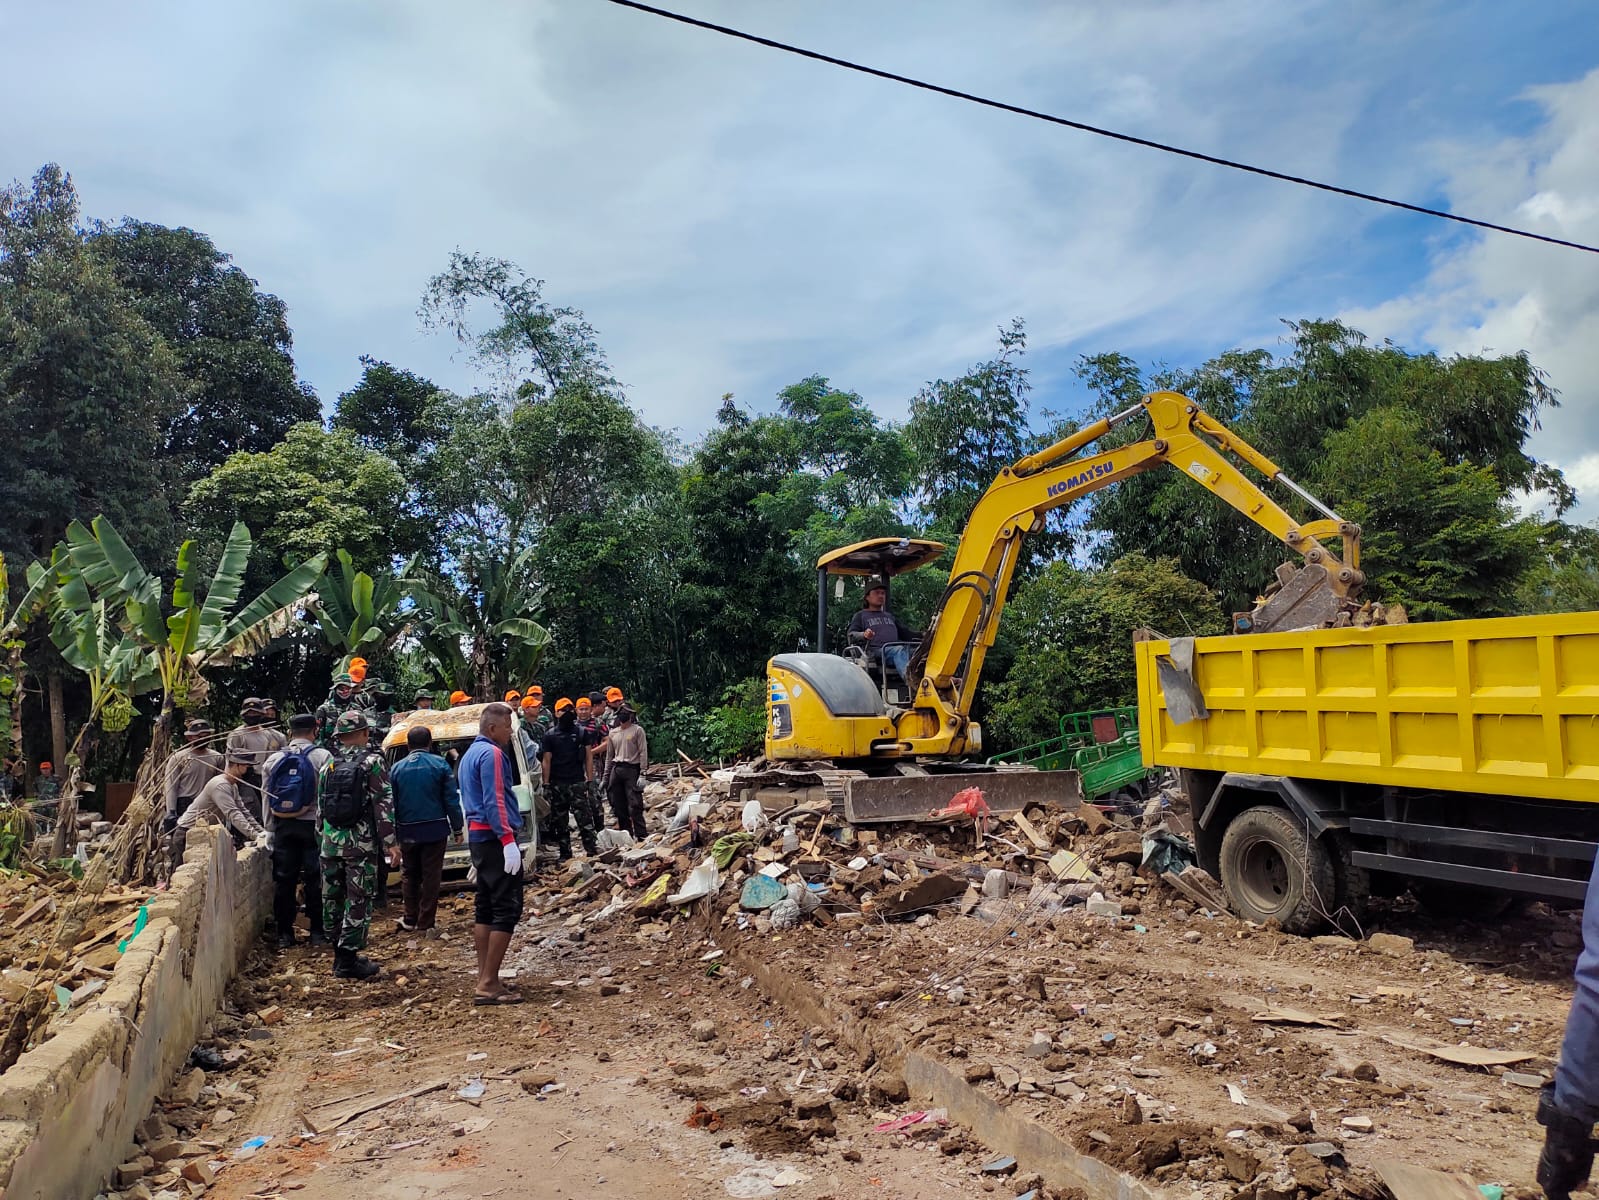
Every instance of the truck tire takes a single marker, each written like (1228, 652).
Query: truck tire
(1273, 870)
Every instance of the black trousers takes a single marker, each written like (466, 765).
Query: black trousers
(296, 860)
(627, 799)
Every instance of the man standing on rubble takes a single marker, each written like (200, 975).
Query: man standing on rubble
(568, 769)
(590, 718)
(1568, 1107)
(189, 770)
(292, 776)
(629, 755)
(877, 629)
(493, 819)
(356, 836)
(427, 812)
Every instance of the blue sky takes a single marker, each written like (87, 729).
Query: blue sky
(732, 220)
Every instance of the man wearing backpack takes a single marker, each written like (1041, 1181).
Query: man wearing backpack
(568, 771)
(291, 786)
(357, 835)
(427, 811)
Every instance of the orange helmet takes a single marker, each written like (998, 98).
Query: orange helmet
(458, 698)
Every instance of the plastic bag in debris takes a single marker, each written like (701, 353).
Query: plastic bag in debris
(785, 914)
(1167, 851)
(725, 849)
(614, 839)
(760, 892)
(703, 880)
(692, 806)
(753, 819)
(802, 895)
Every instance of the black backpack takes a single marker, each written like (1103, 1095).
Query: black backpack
(347, 798)
(291, 788)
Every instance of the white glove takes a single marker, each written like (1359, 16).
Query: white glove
(263, 840)
(513, 858)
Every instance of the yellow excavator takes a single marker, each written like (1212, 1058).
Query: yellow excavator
(884, 748)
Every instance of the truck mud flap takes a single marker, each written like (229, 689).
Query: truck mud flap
(916, 797)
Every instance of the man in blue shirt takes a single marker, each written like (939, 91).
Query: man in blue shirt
(1568, 1108)
(493, 819)
(427, 812)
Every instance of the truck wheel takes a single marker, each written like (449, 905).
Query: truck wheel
(1273, 870)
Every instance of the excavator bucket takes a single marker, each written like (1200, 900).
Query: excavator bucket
(884, 798)
(1303, 598)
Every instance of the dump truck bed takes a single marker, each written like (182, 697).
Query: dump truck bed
(1506, 706)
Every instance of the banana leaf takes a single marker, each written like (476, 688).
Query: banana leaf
(227, 583)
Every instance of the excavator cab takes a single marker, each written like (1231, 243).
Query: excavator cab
(878, 559)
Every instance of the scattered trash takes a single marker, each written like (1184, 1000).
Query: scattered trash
(703, 880)
(1236, 1094)
(753, 818)
(477, 1056)
(761, 892)
(931, 1116)
(1293, 1016)
(1000, 1166)
(472, 1091)
(1465, 1056)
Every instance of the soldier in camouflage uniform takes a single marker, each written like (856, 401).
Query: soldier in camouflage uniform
(568, 770)
(342, 697)
(352, 855)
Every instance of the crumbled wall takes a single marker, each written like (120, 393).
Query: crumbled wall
(68, 1108)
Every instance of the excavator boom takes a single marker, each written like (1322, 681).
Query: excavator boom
(821, 711)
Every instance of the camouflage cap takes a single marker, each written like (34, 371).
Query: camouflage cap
(344, 677)
(350, 721)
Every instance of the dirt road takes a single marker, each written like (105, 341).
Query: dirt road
(584, 1093)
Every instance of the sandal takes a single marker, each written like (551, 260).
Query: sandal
(506, 997)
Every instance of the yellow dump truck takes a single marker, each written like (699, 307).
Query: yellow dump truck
(1459, 758)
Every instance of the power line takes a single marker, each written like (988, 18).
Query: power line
(1084, 127)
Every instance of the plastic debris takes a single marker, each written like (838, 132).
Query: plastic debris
(930, 1116)
(785, 914)
(472, 1091)
(753, 819)
(761, 892)
(703, 880)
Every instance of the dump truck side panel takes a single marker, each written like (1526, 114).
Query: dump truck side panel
(1506, 706)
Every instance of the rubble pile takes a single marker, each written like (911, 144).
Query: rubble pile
(195, 1130)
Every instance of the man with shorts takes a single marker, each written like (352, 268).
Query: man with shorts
(493, 819)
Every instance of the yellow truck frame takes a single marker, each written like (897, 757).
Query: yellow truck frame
(1460, 757)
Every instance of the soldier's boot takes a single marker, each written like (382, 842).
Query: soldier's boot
(349, 964)
(318, 938)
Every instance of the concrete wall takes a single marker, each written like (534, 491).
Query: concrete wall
(68, 1108)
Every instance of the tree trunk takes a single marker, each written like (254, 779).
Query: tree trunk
(58, 721)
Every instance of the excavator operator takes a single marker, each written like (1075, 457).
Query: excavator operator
(880, 632)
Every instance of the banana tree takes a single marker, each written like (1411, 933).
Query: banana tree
(85, 631)
(358, 613)
(12, 622)
(482, 634)
(197, 633)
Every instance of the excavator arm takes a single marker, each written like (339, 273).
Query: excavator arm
(950, 660)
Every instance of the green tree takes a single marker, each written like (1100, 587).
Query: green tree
(745, 596)
(1073, 630)
(360, 614)
(315, 492)
(1442, 538)
(87, 388)
(481, 633)
(1566, 576)
(391, 410)
(231, 342)
(963, 432)
(1471, 411)
(533, 344)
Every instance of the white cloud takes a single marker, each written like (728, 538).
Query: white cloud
(1498, 294)
(732, 219)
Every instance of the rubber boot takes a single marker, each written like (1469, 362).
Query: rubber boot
(348, 964)
(318, 938)
(286, 939)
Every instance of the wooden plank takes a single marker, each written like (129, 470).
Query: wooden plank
(1030, 832)
(32, 911)
(1410, 1182)
(325, 1125)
